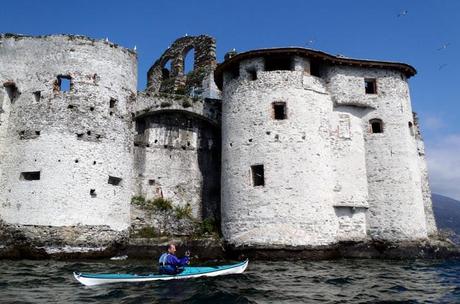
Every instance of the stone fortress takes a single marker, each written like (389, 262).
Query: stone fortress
(284, 147)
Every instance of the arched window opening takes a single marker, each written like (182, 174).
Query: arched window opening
(166, 70)
(376, 126)
(411, 128)
(189, 60)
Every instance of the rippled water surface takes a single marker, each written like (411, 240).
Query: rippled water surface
(342, 281)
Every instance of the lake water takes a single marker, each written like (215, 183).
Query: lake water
(341, 281)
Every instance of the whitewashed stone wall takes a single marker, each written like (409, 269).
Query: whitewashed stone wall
(295, 207)
(74, 139)
(396, 209)
(327, 177)
(177, 156)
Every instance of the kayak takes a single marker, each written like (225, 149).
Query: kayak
(91, 279)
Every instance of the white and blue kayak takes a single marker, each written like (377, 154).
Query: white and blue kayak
(91, 279)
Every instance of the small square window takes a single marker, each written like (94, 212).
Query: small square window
(63, 82)
(279, 110)
(114, 180)
(12, 91)
(370, 85)
(258, 178)
(252, 74)
(113, 102)
(376, 126)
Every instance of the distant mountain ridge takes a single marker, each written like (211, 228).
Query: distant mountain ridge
(447, 214)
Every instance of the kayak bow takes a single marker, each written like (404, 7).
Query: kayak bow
(91, 279)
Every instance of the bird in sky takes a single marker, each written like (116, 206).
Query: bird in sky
(403, 13)
(310, 42)
(443, 47)
(442, 66)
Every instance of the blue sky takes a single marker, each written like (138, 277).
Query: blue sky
(425, 35)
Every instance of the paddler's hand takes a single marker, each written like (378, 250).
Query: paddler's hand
(187, 253)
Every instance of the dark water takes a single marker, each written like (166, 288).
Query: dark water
(343, 281)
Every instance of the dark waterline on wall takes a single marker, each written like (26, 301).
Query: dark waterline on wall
(357, 281)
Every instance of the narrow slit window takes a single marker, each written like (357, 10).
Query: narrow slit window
(116, 181)
(258, 178)
(411, 128)
(92, 192)
(370, 85)
(279, 110)
(376, 126)
(30, 176)
(64, 83)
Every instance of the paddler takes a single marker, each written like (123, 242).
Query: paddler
(170, 264)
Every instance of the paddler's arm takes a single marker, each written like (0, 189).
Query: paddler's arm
(173, 260)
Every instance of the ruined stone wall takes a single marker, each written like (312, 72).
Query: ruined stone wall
(295, 206)
(80, 141)
(177, 152)
(199, 82)
(396, 209)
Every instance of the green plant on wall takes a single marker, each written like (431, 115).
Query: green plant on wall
(184, 212)
(138, 200)
(161, 204)
(208, 227)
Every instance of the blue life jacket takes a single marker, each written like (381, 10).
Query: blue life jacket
(163, 259)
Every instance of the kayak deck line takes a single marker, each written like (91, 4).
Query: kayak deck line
(91, 279)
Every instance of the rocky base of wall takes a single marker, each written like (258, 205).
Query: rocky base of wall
(213, 248)
(82, 242)
(206, 248)
(427, 249)
(41, 242)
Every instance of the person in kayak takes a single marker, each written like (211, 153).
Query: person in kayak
(170, 264)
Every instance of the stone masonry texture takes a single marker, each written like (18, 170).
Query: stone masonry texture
(281, 147)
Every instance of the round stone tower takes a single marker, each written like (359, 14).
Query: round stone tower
(66, 132)
(276, 173)
(318, 149)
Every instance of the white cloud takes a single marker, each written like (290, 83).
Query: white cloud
(443, 158)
